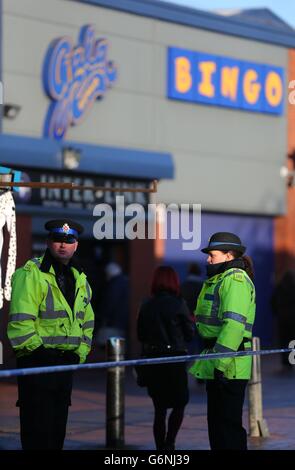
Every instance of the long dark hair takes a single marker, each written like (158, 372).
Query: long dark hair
(249, 268)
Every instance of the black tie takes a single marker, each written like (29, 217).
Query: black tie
(61, 282)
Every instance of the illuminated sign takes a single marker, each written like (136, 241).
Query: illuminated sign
(74, 77)
(222, 81)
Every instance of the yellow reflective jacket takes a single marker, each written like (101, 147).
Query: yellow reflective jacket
(40, 315)
(225, 315)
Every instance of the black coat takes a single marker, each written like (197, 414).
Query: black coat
(164, 326)
(283, 305)
(165, 320)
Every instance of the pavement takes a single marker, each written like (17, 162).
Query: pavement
(87, 416)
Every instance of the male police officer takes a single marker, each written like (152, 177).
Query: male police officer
(50, 323)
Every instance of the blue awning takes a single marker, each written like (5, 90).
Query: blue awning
(30, 152)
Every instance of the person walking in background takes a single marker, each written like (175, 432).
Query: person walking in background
(50, 323)
(283, 306)
(164, 326)
(225, 315)
(115, 305)
(191, 287)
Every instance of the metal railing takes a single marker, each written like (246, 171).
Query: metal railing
(115, 396)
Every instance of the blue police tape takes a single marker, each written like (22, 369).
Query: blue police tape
(135, 362)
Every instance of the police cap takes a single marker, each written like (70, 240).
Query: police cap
(63, 230)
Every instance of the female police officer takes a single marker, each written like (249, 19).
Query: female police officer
(224, 318)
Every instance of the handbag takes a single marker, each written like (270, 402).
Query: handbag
(143, 375)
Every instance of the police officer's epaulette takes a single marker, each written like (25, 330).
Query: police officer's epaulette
(31, 263)
(28, 266)
(239, 276)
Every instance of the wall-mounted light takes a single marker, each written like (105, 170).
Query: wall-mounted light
(71, 157)
(288, 175)
(10, 111)
(288, 171)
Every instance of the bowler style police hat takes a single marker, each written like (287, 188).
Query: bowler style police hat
(224, 241)
(63, 230)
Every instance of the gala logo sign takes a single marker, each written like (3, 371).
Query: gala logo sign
(74, 77)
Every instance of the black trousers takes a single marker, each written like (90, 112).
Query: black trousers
(43, 405)
(224, 414)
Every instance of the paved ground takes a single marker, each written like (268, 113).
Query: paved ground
(86, 426)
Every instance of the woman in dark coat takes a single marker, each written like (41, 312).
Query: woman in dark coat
(164, 326)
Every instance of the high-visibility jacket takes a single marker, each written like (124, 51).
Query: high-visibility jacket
(225, 315)
(40, 315)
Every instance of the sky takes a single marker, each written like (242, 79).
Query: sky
(283, 8)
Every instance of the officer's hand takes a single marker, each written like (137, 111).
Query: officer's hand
(71, 357)
(220, 378)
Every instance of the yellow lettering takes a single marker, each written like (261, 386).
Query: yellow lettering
(183, 78)
(273, 88)
(69, 71)
(251, 88)
(85, 99)
(229, 82)
(206, 87)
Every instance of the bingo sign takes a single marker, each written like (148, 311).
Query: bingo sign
(73, 78)
(223, 81)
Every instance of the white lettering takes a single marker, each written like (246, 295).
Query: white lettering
(183, 223)
(195, 234)
(104, 227)
(120, 460)
(120, 217)
(137, 222)
(173, 210)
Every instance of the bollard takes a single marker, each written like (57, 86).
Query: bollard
(257, 424)
(115, 407)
